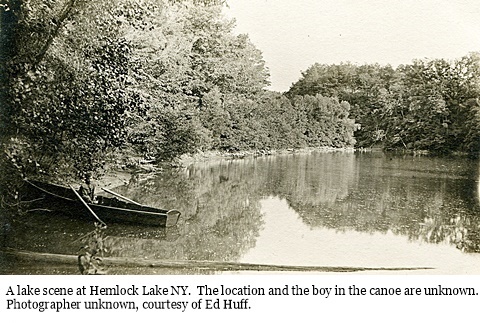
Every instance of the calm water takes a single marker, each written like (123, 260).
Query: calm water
(325, 209)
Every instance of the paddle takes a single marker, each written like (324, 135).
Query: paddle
(88, 207)
(121, 196)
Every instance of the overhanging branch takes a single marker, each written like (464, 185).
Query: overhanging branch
(63, 16)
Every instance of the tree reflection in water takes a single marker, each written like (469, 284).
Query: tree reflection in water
(220, 219)
(428, 199)
(420, 198)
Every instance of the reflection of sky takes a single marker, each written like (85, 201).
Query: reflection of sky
(286, 240)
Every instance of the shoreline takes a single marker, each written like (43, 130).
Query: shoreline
(117, 176)
(189, 159)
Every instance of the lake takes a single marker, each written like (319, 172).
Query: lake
(337, 209)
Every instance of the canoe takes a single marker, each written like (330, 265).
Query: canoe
(109, 209)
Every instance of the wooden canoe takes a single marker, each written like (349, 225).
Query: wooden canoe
(111, 210)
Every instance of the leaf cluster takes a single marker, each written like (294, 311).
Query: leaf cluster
(426, 105)
(154, 78)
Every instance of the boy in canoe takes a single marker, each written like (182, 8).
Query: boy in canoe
(87, 190)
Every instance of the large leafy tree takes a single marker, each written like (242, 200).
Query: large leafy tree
(199, 72)
(360, 86)
(328, 123)
(425, 105)
(283, 125)
(82, 78)
(434, 109)
(66, 85)
(419, 117)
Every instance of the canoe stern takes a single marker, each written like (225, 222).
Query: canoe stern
(172, 218)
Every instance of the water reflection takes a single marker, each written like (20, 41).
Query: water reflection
(220, 219)
(417, 200)
(318, 209)
(326, 247)
(428, 199)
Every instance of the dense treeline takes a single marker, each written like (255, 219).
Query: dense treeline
(81, 80)
(153, 78)
(427, 105)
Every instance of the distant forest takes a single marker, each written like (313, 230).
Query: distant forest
(82, 81)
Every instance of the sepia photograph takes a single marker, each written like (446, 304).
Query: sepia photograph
(235, 137)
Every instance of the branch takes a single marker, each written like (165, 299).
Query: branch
(124, 263)
(64, 15)
(39, 210)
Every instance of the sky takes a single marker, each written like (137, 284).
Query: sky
(295, 34)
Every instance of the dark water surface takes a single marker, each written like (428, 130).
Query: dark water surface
(318, 209)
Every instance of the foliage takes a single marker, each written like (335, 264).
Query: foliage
(282, 125)
(67, 96)
(90, 254)
(198, 72)
(425, 105)
(328, 122)
(169, 134)
(361, 86)
(85, 79)
(472, 126)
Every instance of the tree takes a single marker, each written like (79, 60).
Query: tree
(67, 96)
(283, 125)
(425, 105)
(360, 86)
(193, 64)
(328, 123)
(433, 96)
